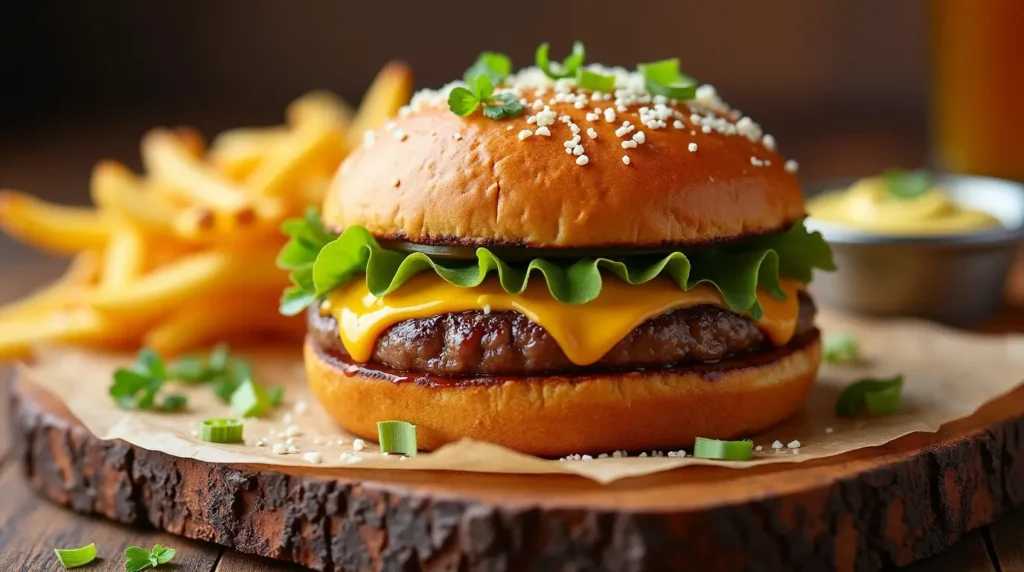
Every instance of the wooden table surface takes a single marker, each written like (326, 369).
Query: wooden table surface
(30, 528)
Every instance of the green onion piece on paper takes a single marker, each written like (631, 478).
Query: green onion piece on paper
(397, 437)
(220, 430)
(75, 557)
(250, 399)
(841, 349)
(884, 402)
(877, 396)
(723, 450)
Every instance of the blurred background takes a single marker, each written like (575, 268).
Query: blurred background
(847, 88)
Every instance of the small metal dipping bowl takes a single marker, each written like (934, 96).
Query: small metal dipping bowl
(958, 279)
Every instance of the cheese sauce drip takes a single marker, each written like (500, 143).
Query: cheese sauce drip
(585, 332)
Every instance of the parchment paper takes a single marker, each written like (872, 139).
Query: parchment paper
(948, 375)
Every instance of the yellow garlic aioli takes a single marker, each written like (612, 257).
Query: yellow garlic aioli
(867, 205)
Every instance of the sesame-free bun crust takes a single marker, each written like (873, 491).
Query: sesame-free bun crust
(490, 188)
(558, 415)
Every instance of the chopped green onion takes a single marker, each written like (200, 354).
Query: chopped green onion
(494, 65)
(174, 402)
(664, 78)
(884, 402)
(723, 450)
(841, 348)
(595, 81)
(884, 397)
(568, 66)
(74, 557)
(397, 437)
(222, 430)
(250, 400)
(276, 395)
(906, 185)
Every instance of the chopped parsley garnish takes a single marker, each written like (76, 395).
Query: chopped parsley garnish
(463, 101)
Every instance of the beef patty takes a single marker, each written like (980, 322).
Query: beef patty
(475, 343)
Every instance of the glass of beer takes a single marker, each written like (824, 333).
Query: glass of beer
(978, 78)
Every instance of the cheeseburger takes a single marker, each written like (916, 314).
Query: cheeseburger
(567, 259)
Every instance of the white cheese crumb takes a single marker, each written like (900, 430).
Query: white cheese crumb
(759, 448)
(293, 431)
(777, 444)
(794, 444)
(791, 166)
(769, 142)
(261, 443)
(289, 441)
(487, 309)
(756, 162)
(643, 454)
(603, 456)
(524, 134)
(639, 137)
(300, 407)
(796, 451)
(358, 445)
(401, 135)
(313, 457)
(592, 117)
(629, 144)
(692, 147)
(457, 136)
(625, 159)
(677, 124)
(587, 458)
(829, 430)
(396, 182)
(609, 115)
(286, 418)
(582, 160)
(577, 150)
(279, 449)
(544, 131)
(292, 449)
(194, 432)
(591, 133)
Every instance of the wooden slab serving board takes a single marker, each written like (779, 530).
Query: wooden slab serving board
(864, 510)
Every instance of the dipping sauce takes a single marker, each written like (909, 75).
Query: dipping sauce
(899, 203)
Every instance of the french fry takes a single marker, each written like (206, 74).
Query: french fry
(391, 89)
(305, 146)
(84, 269)
(169, 158)
(116, 189)
(319, 108)
(124, 258)
(54, 228)
(234, 315)
(80, 326)
(169, 286)
(237, 152)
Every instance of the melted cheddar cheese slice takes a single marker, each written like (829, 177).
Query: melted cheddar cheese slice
(585, 332)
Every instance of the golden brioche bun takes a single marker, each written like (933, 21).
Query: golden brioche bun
(434, 177)
(557, 415)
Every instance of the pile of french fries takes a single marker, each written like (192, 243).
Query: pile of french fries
(183, 255)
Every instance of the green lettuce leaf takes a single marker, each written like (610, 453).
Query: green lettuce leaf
(736, 271)
(307, 237)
